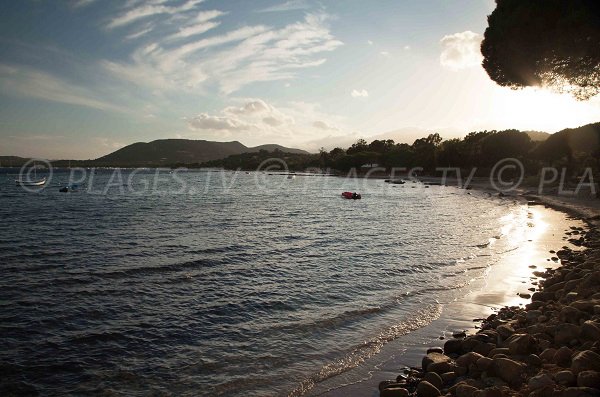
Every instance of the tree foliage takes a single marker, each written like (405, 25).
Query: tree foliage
(553, 43)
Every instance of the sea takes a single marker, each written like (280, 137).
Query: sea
(220, 283)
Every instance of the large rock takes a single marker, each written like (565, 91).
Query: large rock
(394, 392)
(464, 390)
(579, 392)
(426, 389)
(467, 359)
(588, 379)
(569, 314)
(508, 370)
(505, 331)
(548, 355)
(562, 357)
(565, 333)
(565, 378)
(585, 360)
(434, 379)
(590, 330)
(441, 360)
(540, 381)
(453, 346)
(521, 344)
(585, 305)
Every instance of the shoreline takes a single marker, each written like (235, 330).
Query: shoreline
(498, 286)
(549, 347)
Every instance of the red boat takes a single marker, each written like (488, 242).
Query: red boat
(351, 196)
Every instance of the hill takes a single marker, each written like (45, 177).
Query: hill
(572, 142)
(12, 161)
(182, 151)
(537, 136)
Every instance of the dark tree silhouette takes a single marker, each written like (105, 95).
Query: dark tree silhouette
(554, 43)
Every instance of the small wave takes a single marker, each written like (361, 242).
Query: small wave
(367, 349)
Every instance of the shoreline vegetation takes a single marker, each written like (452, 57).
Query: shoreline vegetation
(550, 347)
(573, 149)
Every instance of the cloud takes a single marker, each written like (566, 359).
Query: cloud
(369, 42)
(406, 47)
(231, 60)
(81, 3)
(255, 121)
(207, 122)
(201, 24)
(385, 53)
(291, 5)
(32, 83)
(322, 125)
(149, 10)
(461, 50)
(359, 93)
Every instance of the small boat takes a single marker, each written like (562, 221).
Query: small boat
(351, 196)
(69, 188)
(27, 182)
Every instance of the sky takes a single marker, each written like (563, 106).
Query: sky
(82, 78)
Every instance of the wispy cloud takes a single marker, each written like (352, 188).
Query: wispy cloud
(148, 10)
(461, 50)
(291, 5)
(232, 59)
(27, 82)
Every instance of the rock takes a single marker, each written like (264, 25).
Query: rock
(588, 379)
(543, 296)
(508, 370)
(492, 392)
(484, 363)
(533, 361)
(453, 346)
(435, 350)
(465, 390)
(434, 379)
(590, 330)
(459, 334)
(521, 344)
(579, 392)
(540, 381)
(585, 305)
(498, 350)
(484, 349)
(467, 359)
(548, 355)
(562, 357)
(505, 331)
(565, 333)
(533, 315)
(435, 358)
(442, 367)
(385, 383)
(569, 314)
(448, 377)
(585, 360)
(394, 392)
(426, 389)
(565, 378)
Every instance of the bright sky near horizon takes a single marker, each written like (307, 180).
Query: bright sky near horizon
(81, 78)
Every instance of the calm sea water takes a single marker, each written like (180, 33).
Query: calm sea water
(211, 284)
